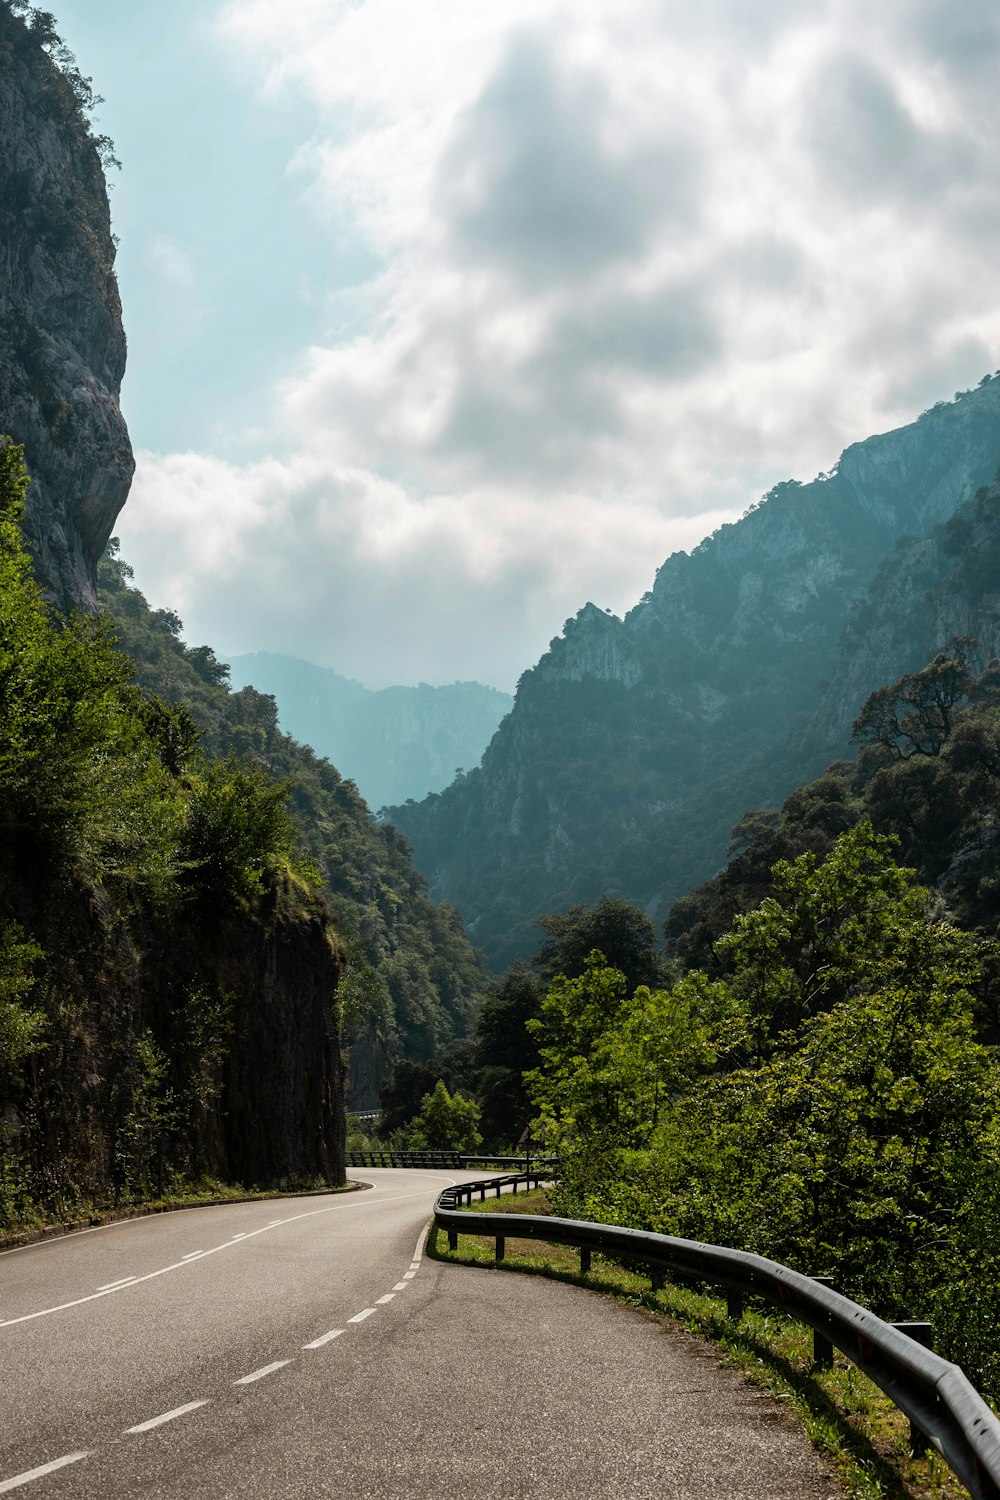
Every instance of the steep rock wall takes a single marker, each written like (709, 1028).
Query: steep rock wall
(62, 345)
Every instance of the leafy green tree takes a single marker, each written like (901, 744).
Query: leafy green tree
(853, 922)
(446, 1122)
(914, 716)
(622, 932)
(609, 1060)
(237, 829)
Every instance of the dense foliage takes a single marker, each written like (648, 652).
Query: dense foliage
(137, 877)
(827, 1103)
(413, 982)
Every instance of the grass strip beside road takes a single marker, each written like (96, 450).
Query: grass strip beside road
(861, 1433)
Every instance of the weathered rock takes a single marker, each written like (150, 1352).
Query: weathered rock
(62, 345)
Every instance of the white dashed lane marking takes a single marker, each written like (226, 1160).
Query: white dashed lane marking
(166, 1416)
(361, 1316)
(41, 1471)
(381, 1301)
(401, 1286)
(324, 1338)
(279, 1364)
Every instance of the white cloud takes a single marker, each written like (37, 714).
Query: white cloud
(172, 263)
(640, 260)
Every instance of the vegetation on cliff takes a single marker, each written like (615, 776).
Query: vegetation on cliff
(168, 969)
(413, 982)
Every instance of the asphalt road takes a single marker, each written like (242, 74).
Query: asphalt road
(306, 1347)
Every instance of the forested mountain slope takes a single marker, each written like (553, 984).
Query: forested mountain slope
(929, 766)
(634, 745)
(413, 981)
(396, 743)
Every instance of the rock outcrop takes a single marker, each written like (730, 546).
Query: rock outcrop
(635, 745)
(62, 345)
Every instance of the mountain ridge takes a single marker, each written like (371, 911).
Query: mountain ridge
(621, 766)
(395, 743)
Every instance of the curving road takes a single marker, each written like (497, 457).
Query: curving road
(305, 1347)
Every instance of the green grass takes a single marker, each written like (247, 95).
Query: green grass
(861, 1433)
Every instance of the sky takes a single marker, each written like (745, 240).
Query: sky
(448, 316)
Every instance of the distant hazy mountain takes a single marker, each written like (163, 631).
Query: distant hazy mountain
(398, 743)
(635, 745)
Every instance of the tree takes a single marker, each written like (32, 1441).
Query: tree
(622, 932)
(505, 1051)
(852, 923)
(914, 715)
(446, 1122)
(608, 1059)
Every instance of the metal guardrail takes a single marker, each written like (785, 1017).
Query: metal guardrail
(944, 1408)
(386, 1157)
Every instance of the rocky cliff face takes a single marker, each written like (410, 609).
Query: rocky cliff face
(635, 745)
(62, 346)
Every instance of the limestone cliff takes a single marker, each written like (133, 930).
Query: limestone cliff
(62, 346)
(635, 745)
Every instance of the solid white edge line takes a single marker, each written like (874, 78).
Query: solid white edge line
(166, 1416)
(192, 1255)
(361, 1316)
(110, 1286)
(41, 1471)
(324, 1338)
(279, 1364)
(421, 1244)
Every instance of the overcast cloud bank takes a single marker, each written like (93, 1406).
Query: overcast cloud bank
(637, 265)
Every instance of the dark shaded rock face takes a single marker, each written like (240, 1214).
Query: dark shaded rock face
(283, 1103)
(62, 345)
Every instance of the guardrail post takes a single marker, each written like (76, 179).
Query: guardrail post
(822, 1346)
(498, 1253)
(452, 1239)
(584, 1260)
(656, 1279)
(922, 1333)
(734, 1303)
